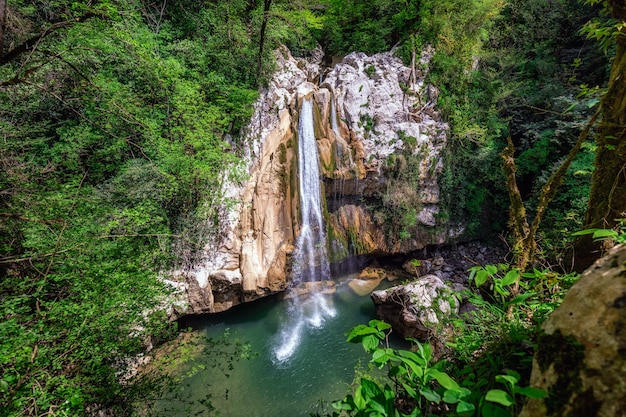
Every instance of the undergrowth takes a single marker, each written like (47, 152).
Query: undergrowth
(483, 368)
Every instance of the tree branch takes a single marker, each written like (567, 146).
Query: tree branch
(29, 219)
(31, 44)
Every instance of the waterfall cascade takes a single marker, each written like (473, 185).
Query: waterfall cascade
(310, 258)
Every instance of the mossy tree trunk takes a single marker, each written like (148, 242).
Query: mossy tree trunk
(607, 201)
(524, 234)
(3, 9)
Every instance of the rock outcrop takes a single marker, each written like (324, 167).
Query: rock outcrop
(581, 353)
(370, 113)
(416, 309)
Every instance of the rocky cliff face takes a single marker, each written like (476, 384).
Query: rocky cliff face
(379, 140)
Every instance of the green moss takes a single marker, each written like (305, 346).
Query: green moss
(338, 245)
(293, 177)
(567, 355)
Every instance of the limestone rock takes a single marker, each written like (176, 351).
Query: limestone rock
(372, 273)
(581, 354)
(317, 287)
(366, 109)
(364, 287)
(416, 309)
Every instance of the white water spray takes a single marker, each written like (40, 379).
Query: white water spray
(310, 257)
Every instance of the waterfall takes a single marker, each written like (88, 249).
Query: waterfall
(310, 257)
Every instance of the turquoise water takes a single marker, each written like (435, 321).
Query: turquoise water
(319, 368)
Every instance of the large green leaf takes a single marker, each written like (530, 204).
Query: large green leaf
(480, 278)
(464, 407)
(360, 330)
(444, 379)
(430, 395)
(510, 277)
(500, 397)
(370, 389)
(531, 392)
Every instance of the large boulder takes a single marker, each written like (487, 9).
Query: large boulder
(581, 354)
(416, 309)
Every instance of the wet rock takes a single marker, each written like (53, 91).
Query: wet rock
(317, 287)
(364, 287)
(581, 353)
(372, 273)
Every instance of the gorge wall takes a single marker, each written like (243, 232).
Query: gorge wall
(379, 140)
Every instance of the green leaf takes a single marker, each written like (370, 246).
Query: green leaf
(425, 350)
(380, 356)
(521, 298)
(370, 389)
(413, 356)
(443, 379)
(481, 278)
(370, 342)
(500, 397)
(360, 330)
(570, 108)
(585, 232)
(531, 392)
(409, 389)
(510, 277)
(430, 395)
(507, 380)
(465, 407)
(601, 234)
(453, 396)
(380, 325)
(359, 401)
(347, 404)
(418, 370)
(491, 269)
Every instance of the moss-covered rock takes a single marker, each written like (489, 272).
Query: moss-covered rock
(581, 354)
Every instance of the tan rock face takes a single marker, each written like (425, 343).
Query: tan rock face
(581, 355)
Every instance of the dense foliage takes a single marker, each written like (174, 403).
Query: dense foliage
(119, 122)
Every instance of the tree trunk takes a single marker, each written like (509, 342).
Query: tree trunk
(607, 201)
(266, 15)
(3, 16)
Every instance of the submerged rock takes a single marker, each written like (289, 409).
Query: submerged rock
(316, 287)
(362, 287)
(581, 353)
